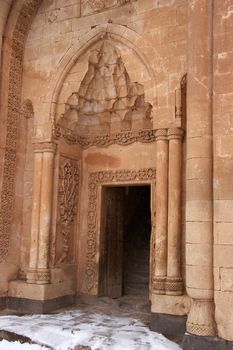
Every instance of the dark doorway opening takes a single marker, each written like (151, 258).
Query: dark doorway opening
(125, 241)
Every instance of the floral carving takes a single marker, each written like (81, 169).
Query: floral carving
(121, 138)
(22, 26)
(95, 180)
(68, 200)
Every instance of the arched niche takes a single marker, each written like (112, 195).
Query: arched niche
(129, 43)
(108, 89)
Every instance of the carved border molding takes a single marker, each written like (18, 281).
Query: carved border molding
(96, 179)
(25, 16)
(121, 138)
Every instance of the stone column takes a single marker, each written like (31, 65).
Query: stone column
(199, 187)
(35, 221)
(43, 275)
(174, 283)
(161, 208)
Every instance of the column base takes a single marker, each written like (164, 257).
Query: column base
(169, 325)
(195, 342)
(32, 306)
(36, 298)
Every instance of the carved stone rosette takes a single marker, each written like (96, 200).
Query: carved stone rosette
(95, 180)
(67, 203)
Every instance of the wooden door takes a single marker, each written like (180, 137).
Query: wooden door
(111, 245)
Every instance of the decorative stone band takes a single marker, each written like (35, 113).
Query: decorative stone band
(45, 147)
(161, 134)
(168, 285)
(175, 133)
(31, 275)
(159, 285)
(174, 286)
(43, 276)
(19, 35)
(122, 138)
(201, 319)
(39, 276)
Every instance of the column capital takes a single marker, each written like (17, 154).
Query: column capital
(40, 147)
(161, 134)
(175, 134)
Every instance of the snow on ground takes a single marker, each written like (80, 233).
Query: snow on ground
(99, 331)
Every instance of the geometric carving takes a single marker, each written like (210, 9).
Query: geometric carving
(22, 26)
(107, 100)
(67, 204)
(201, 318)
(174, 286)
(94, 181)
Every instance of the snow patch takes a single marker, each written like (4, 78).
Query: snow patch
(66, 330)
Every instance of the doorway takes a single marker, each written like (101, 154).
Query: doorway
(125, 231)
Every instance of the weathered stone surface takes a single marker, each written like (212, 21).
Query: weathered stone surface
(95, 94)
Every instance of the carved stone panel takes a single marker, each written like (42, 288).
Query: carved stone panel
(68, 191)
(97, 179)
(19, 35)
(92, 6)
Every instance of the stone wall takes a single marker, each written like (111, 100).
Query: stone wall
(160, 38)
(223, 166)
(158, 41)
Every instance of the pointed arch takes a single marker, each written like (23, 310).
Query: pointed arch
(117, 32)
